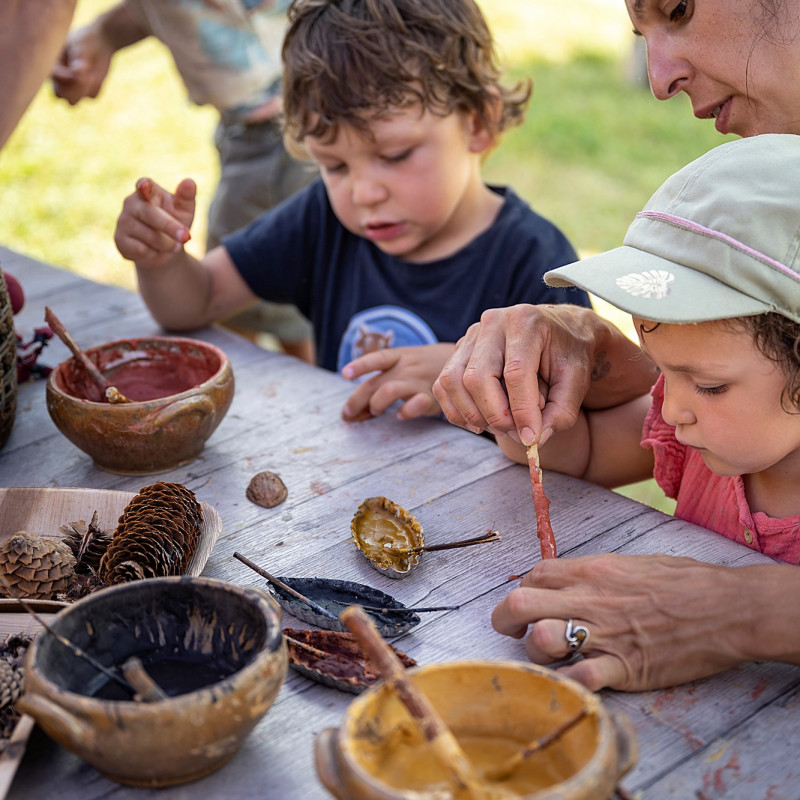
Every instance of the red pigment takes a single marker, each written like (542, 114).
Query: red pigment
(142, 371)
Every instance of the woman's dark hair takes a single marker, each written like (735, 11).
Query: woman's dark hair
(348, 61)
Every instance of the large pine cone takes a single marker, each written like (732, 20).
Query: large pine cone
(156, 535)
(35, 567)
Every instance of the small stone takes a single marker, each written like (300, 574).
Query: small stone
(267, 489)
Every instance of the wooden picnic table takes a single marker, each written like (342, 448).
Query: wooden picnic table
(736, 735)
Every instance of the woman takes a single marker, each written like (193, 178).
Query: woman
(739, 63)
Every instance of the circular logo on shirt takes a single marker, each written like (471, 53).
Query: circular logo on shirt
(379, 328)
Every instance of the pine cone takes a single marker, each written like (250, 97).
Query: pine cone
(11, 683)
(88, 544)
(35, 567)
(156, 536)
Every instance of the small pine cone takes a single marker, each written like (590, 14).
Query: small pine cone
(35, 567)
(84, 583)
(88, 544)
(157, 535)
(11, 683)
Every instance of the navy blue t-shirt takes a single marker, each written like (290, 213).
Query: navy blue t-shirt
(360, 299)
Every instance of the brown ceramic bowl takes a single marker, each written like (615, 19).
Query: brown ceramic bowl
(180, 390)
(217, 650)
(494, 709)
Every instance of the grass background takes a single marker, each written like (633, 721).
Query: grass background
(595, 144)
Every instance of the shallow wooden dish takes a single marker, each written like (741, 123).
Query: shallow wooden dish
(44, 510)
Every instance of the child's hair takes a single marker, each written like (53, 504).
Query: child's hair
(778, 339)
(349, 61)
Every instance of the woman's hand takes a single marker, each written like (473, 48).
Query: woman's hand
(654, 621)
(490, 382)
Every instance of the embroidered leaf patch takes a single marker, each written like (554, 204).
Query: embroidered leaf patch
(654, 283)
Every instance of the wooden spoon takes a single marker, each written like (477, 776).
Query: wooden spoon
(430, 724)
(111, 393)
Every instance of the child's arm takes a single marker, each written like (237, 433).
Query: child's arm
(602, 446)
(31, 34)
(406, 373)
(182, 292)
(86, 56)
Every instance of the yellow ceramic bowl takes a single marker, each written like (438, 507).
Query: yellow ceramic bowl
(495, 709)
(180, 390)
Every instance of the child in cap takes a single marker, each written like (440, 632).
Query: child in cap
(400, 244)
(709, 270)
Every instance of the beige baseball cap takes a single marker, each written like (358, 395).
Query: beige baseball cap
(719, 239)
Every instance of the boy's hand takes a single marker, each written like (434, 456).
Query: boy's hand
(154, 224)
(406, 373)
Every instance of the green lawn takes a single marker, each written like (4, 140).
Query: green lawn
(594, 147)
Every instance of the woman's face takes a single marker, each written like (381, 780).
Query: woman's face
(738, 60)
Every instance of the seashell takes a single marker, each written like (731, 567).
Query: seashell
(386, 534)
(334, 659)
(329, 597)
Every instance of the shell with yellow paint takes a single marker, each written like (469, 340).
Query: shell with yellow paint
(387, 535)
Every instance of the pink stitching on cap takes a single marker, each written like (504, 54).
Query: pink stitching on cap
(693, 226)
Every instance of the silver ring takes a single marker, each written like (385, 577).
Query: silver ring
(576, 635)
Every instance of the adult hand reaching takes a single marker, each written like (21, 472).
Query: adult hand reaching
(491, 381)
(653, 621)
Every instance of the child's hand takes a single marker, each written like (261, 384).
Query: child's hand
(406, 373)
(154, 224)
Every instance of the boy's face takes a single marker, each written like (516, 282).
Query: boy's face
(724, 397)
(414, 191)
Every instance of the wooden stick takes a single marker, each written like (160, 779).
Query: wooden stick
(490, 536)
(147, 690)
(319, 609)
(504, 771)
(430, 724)
(541, 504)
(109, 392)
(285, 587)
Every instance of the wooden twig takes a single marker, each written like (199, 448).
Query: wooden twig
(285, 587)
(320, 609)
(541, 504)
(430, 724)
(147, 690)
(489, 536)
(111, 393)
(507, 769)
